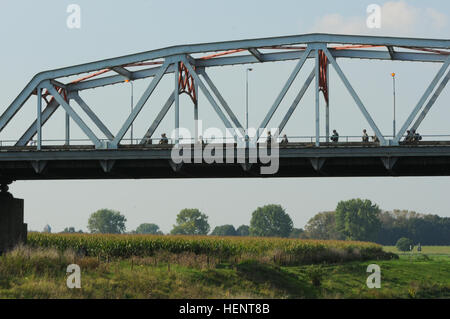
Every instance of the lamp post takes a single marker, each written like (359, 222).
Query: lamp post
(246, 103)
(393, 90)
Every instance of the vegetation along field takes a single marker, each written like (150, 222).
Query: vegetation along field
(143, 266)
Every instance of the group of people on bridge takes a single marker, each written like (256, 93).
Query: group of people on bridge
(411, 136)
(365, 137)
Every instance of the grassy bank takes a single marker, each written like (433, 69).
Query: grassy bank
(41, 273)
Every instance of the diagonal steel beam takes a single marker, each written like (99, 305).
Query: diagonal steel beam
(222, 101)
(355, 96)
(159, 118)
(140, 104)
(256, 54)
(18, 102)
(297, 100)
(284, 91)
(75, 117)
(92, 116)
(32, 130)
(422, 100)
(391, 52)
(431, 102)
(123, 72)
(207, 93)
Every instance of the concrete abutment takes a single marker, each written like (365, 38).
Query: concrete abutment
(13, 230)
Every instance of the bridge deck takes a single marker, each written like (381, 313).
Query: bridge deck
(154, 161)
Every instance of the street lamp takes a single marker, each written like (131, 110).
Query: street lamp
(131, 111)
(246, 103)
(393, 90)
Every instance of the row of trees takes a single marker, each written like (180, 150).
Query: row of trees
(270, 220)
(358, 219)
(354, 219)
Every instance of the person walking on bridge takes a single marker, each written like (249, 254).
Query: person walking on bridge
(365, 137)
(269, 138)
(416, 136)
(409, 136)
(164, 139)
(284, 141)
(335, 136)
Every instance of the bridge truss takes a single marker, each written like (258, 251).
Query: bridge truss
(189, 65)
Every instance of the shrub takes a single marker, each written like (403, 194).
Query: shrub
(404, 244)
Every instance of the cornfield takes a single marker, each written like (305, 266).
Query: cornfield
(279, 250)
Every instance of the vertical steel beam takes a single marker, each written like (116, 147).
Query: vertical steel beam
(140, 104)
(39, 120)
(32, 129)
(196, 124)
(177, 101)
(317, 95)
(327, 106)
(284, 90)
(297, 100)
(355, 97)
(431, 102)
(422, 100)
(67, 123)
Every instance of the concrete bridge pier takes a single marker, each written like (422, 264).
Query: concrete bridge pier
(12, 228)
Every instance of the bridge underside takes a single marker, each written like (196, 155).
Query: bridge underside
(152, 162)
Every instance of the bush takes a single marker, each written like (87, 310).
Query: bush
(404, 244)
(315, 275)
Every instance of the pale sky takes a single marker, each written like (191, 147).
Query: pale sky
(35, 38)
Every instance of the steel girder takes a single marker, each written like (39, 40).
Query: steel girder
(168, 59)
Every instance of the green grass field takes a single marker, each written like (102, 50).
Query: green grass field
(427, 250)
(41, 273)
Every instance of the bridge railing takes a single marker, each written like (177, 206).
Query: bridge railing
(291, 139)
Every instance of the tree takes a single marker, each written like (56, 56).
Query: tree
(323, 226)
(107, 221)
(404, 244)
(150, 229)
(71, 230)
(243, 230)
(270, 221)
(225, 230)
(420, 228)
(358, 219)
(191, 222)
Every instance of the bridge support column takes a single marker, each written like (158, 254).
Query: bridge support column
(12, 228)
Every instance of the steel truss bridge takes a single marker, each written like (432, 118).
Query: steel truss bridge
(109, 156)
